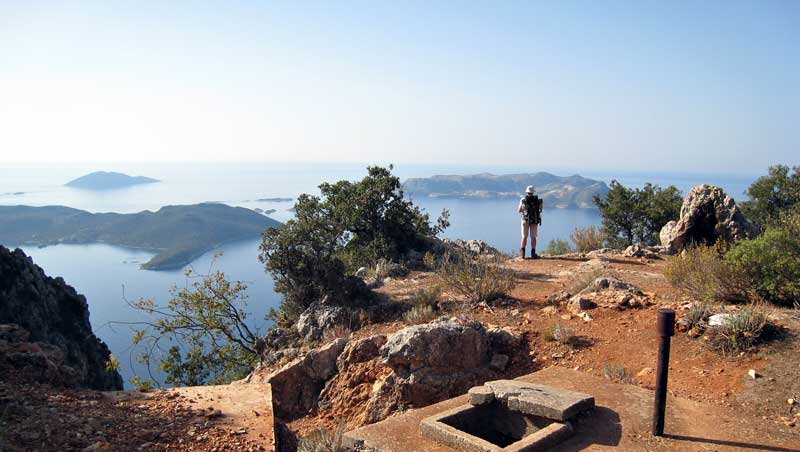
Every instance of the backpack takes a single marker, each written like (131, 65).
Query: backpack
(532, 213)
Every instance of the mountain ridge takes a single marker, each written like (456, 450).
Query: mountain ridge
(179, 233)
(556, 191)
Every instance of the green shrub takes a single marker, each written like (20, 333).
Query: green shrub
(475, 278)
(419, 314)
(561, 334)
(773, 195)
(587, 239)
(769, 265)
(702, 273)
(427, 297)
(637, 214)
(618, 373)
(698, 314)
(322, 441)
(351, 224)
(739, 331)
(557, 247)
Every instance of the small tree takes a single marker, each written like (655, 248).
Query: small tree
(637, 215)
(619, 212)
(770, 195)
(351, 224)
(202, 334)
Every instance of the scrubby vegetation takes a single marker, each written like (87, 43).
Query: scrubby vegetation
(769, 265)
(351, 224)
(561, 334)
(739, 331)
(429, 296)
(618, 373)
(587, 239)
(201, 336)
(632, 215)
(323, 441)
(702, 273)
(557, 247)
(419, 314)
(475, 278)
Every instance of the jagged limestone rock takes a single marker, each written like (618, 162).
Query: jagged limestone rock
(707, 215)
(54, 313)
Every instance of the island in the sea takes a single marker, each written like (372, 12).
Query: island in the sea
(108, 180)
(178, 234)
(556, 191)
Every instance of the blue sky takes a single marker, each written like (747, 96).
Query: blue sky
(605, 85)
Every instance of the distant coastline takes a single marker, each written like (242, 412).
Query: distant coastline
(556, 191)
(177, 234)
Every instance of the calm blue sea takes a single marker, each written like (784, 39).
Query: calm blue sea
(109, 275)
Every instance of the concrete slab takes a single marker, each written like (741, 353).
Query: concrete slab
(621, 420)
(540, 400)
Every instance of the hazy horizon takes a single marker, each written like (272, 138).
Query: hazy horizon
(617, 86)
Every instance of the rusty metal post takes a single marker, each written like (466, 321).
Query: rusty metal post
(665, 326)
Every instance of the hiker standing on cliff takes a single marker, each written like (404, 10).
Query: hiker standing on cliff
(530, 206)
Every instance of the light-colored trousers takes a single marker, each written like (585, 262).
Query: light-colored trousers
(533, 229)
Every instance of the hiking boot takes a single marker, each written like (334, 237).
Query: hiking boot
(522, 253)
(534, 255)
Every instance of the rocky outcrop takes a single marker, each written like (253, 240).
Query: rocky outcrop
(436, 361)
(477, 247)
(707, 215)
(319, 318)
(53, 313)
(642, 251)
(346, 394)
(24, 361)
(608, 292)
(297, 385)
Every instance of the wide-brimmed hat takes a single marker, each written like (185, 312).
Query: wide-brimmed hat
(529, 190)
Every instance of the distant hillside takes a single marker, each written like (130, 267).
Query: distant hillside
(179, 234)
(556, 191)
(104, 180)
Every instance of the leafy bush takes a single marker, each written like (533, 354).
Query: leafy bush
(739, 332)
(351, 224)
(698, 313)
(419, 314)
(702, 273)
(209, 322)
(557, 247)
(475, 278)
(772, 195)
(427, 297)
(322, 441)
(637, 215)
(769, 265)
(618, 373)
(587, 239)
(561, 334)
